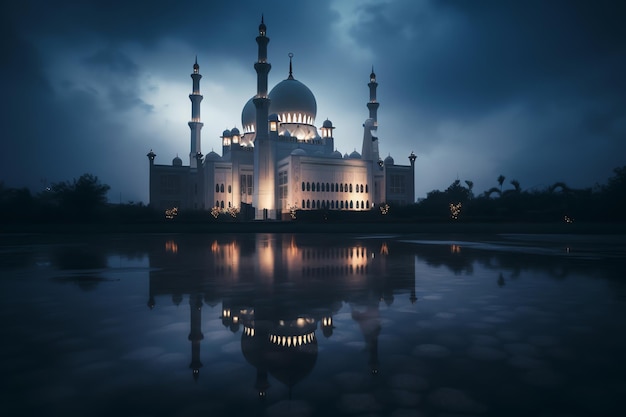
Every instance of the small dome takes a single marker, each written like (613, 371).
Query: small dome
(346, 156)
(177, 162)
(212, 156)
(273, 118)
(226, 134)
(336, 154)
(355, 155)
(298, 152)
(327, 123)
(389, 160)
(234, 131)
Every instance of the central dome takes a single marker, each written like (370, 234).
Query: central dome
(293, 102)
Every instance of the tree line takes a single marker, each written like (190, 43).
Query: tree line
(85, 200)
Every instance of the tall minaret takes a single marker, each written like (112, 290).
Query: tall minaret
(373, 104)
(264, 198)
(195, 124)
(369, 150)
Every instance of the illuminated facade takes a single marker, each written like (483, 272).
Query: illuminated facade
(279, 161)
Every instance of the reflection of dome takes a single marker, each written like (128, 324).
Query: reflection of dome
(177, 162)
(293, 102)
(389, 160)
(355, 155)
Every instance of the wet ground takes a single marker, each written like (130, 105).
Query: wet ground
(309, 325)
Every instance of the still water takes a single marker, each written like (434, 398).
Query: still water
(312, 325)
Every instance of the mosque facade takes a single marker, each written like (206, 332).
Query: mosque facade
(279, 162)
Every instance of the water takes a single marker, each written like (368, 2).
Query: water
(308, 325)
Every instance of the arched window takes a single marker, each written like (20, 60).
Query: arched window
(217, 188)
(346, 203)
(332, 204)
(366, 188)
(341, 203)
(308, 204)
(222, 204)
(337, 188)
(229, 189)
(327, 187)
(222, 189)
(308, 186)
(312, 204)
(357, 204)
(341, 187)
(229, 205)
(337, 204)
(363, 204)
(323, 188)
(303, 204)
(356, 187)
(318, 204)
(318, 187)
(361, 187)
(303, 186)
(351, 204)
(350, 187)
(345, 188)
(367, 204)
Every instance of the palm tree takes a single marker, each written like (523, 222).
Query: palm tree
(501, 179)
(470, 186)
(515, 183)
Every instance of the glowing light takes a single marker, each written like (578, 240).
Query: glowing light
(455, 249)
(568, 219)
(384, 208)
(384, 249)
(171, 213)
(171, 246)
(455, 210)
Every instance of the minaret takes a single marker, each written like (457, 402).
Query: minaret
(264, 199)
(372, 105)
(412, 158)
(369, 150)
(152, 183)
(195, 124)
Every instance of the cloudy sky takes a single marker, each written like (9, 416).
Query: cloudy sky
(534, 90)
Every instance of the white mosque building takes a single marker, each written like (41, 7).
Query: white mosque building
(279, 161)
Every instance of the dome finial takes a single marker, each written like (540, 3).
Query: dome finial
(373, 74)
(290, 66)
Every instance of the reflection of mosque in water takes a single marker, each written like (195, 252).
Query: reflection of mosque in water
(278, 291)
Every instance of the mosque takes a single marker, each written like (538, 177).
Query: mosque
(279, 162)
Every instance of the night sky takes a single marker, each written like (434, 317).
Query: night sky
(532, 90)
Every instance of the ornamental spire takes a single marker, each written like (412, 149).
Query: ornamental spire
(290, 67)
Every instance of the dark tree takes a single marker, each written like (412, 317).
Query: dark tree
(82, 199)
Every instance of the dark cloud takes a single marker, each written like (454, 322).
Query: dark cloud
(533, 90)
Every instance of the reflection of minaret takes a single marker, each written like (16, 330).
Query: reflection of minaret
(195, 335)
(369, 322)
